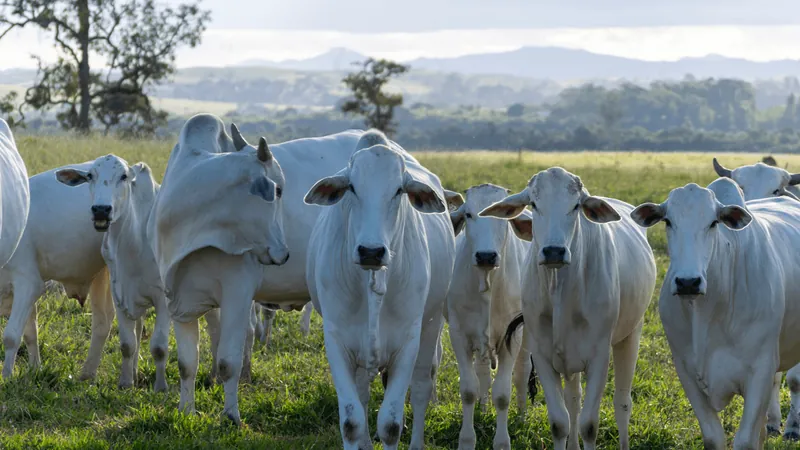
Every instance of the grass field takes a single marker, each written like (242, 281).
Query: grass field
(291, 402)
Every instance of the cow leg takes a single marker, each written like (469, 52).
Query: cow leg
(572, 398)
(437, 362)
(268, 319)
(259, 323)
(625, 355)
(596, 377)
(31, 337)
(522, 371)
(751, 432)
(468, 386)
(213, 327)
(26, 292)
(406, 371)
(187, 338)
(501, 393)
(421, 388)
(792, 431)
(774, 410)
(305, 320)
(234, 312)
(139, 335)
(362, 384)
(102, 319)
(159, 344)
(247, 367)
(552, 387)
(128, 346)
(484, 378)
(352, 417)
(707, 418)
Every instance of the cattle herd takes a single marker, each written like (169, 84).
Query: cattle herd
(551, 278)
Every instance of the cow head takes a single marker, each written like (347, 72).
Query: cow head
(110, 180)
(760, 180)
(557, 199)
(266, 181)
(374, 186)
(486, 236)
(692, 215)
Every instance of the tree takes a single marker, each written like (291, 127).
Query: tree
(369, 98)
(515, 110)
(788, 120)
(137, 41)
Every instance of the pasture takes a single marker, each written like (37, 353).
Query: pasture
(291, 402)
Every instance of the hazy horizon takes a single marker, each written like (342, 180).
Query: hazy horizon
(271, 30)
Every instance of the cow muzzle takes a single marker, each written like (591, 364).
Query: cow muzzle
(487, 260)
(688, 286)
(371, 258)
(101, 216)
(554, 257)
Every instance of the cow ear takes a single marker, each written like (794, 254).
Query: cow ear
(454, 199)
(648, 214)
(459, 219)
(523, 226)
(423, 197)
(72, 177)
(263, 187)
(734, 217)
(327, 191)
(508, 208)
(598, 210)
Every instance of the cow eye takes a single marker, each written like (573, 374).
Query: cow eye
(533, 205)
(667, 223)
(777, 192)
(399, 192)
(351, 188)
(576, 207)
(123, 177)
(714, 224)
(469, 216)
(279, 191)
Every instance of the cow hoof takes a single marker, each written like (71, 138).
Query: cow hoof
(86, 377)
(773, 431)
(123, 385)
(793, 435)
(161, 387)
(234, 418)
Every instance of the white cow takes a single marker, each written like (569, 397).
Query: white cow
(728, 302)
(485, 295)
(216, 221)
(14, 209)
(587, 285)
(379, 267)
(759, 181)
(121, 199)
(66, 250)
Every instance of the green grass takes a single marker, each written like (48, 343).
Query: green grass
(291, 402)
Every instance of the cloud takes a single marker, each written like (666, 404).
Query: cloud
(377, 16)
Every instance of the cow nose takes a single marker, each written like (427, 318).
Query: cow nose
(554, 255)
(101, 210)
(371, 256)
(688, 286)
(486, 259)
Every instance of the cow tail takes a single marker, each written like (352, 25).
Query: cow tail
(512, 328)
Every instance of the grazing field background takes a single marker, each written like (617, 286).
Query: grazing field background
(291, 402)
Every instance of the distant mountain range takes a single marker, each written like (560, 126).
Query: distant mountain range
(560, 64)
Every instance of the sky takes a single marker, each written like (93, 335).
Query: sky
(403, 30)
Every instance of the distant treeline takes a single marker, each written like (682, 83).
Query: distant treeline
(710, 115)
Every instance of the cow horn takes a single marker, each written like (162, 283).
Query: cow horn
(721, 171)
(239, 141)
(795, 179)
(264, 154)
